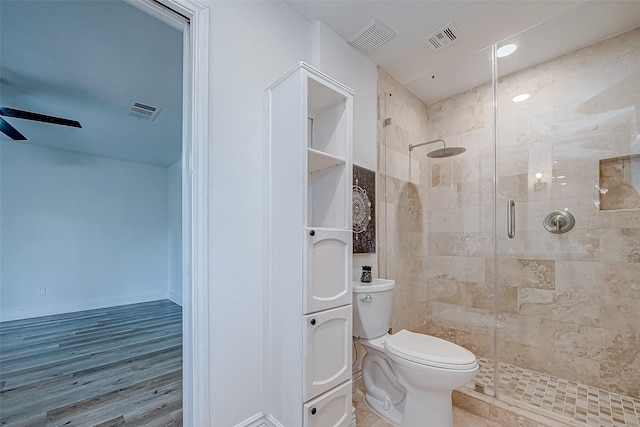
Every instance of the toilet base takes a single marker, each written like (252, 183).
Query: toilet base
(392, 414)
(435, 407)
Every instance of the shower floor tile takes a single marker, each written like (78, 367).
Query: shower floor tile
(585, 405)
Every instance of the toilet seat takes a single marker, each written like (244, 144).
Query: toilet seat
(430, 351)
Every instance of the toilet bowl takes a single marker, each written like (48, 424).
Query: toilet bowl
(409, 377)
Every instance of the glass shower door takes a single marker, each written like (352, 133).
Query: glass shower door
(438, 212)
(568, 187)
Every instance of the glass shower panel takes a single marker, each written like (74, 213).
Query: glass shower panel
(438, 237)
(568, 150)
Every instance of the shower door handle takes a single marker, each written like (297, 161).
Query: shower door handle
(511, 218)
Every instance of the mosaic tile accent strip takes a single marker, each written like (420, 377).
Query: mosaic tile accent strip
(585, 405)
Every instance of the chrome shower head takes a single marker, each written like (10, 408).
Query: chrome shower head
(446, 152)
(442, 152)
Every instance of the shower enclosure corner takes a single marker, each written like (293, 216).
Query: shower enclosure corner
(524, 246)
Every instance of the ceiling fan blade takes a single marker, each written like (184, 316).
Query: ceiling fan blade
(28, 115)
(10, 131)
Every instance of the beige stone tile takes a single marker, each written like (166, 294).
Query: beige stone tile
(443, 197)
(580, 178)
(508, 300)
(576, 308)
(475, 193)
(575, 245)
(476, 295)
(604, 345)
(462, 418)
(618, 219)
(530, 331)
(527, 273)
(440, 331)
(479, 341)
(446, 220)
(620, 379)
(470, 404)
(469, 269)
(619, 313)
(444, 290)
(461, 113)
(446, 244)
(459, 317)
(619, 245)
(576, 276)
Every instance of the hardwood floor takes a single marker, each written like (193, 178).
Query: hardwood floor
(107, 367)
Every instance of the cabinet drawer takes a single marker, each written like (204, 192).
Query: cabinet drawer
(332, 409)
(326, 350)
(328, 269)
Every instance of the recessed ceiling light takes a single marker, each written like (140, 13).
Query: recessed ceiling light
(506, 50)
(521, 97)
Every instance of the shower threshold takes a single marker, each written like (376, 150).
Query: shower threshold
(582, 404)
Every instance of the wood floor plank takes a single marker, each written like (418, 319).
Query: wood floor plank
(84, 346)
(79, 362)
(104, 367)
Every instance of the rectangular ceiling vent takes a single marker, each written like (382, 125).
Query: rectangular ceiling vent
(143, 111)
(443, 37)
(371, 36)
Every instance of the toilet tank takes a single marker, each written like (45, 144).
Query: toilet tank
(372, 307)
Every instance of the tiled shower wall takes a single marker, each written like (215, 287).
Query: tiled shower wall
(569, 303)
(402, 214)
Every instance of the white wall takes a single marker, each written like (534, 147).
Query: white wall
(334, 56)
(337, 58)
(174, 210)
(252, 45)
(92, 230)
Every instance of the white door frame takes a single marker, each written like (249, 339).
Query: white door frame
(195, 209)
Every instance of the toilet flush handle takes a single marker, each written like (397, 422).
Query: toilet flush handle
(367, 298)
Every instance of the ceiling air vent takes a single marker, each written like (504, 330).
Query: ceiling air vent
(443, 37)
(143, 111)
(371, 36)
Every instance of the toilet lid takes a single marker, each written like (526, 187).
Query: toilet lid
(428, 350)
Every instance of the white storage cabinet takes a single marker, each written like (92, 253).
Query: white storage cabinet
(309, 236)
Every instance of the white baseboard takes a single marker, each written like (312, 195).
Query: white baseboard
(270, 422)
(175, 297)
(73, 306)
(259, 420)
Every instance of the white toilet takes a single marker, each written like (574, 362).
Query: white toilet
(409, 377)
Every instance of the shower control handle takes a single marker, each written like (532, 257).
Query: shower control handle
(559, 222)
(511, 218)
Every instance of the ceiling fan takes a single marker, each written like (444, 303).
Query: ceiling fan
(13, 133)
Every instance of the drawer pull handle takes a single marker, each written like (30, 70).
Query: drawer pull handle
(312, 233)
(313, 411)
(313, 321)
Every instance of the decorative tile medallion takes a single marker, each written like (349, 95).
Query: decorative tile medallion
(364, 216)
